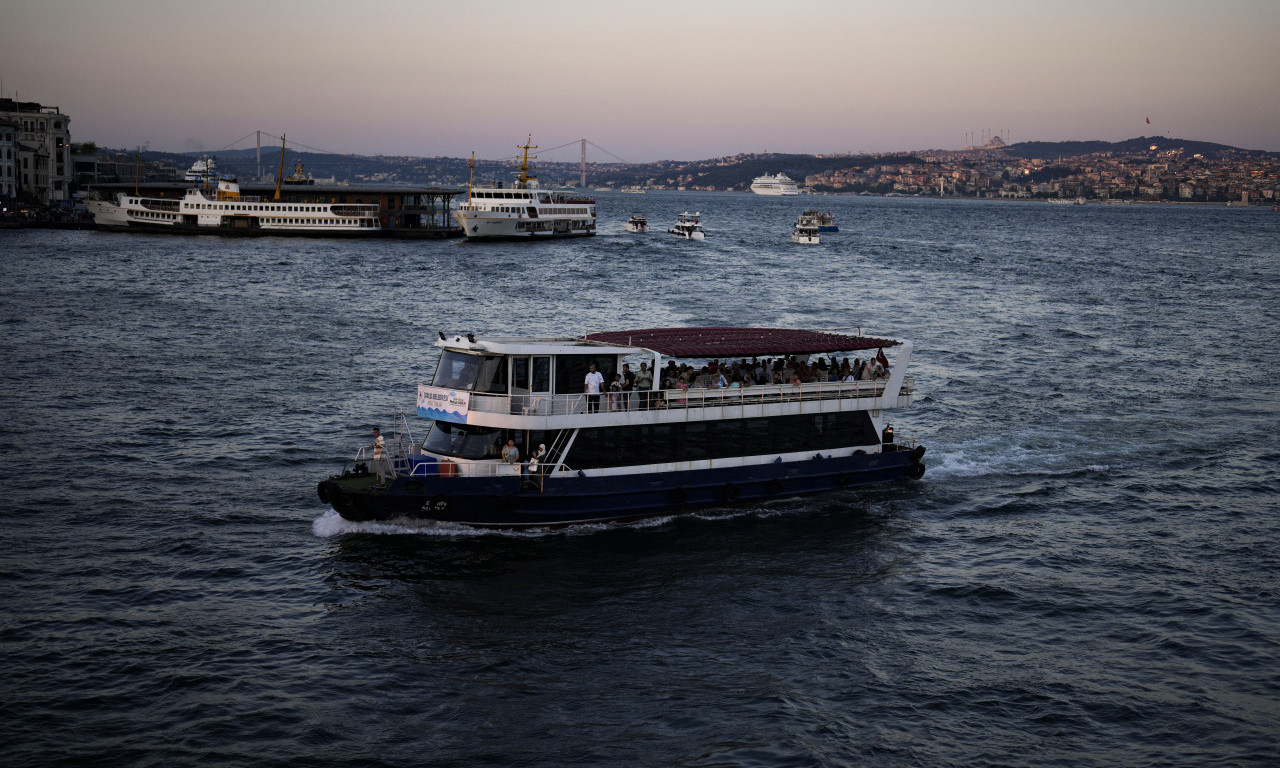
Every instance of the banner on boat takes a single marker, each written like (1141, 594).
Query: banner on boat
(443, 404)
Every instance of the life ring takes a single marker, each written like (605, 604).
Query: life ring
(774, 487)
(322, 490)
(917, 471)
(679, 496)
(730, 493)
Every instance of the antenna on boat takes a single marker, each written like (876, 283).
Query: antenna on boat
(280, 175)
(471, 179)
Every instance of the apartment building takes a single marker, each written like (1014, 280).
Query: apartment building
(42, 155)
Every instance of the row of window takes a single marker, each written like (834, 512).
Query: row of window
(244, 207)
(603, 447)
(321, 222)
(704, 440)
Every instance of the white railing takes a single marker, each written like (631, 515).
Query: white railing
(675, 399)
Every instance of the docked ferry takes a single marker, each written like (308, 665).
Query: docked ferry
(522, 432)
(223, 210)
(524, 210)
(774, 185)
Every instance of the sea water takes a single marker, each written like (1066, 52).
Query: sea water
(1085, 576)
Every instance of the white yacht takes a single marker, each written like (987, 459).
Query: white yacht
(805, 231)
(637, 223)
(524, 211)
(688, 226)
(774, 185)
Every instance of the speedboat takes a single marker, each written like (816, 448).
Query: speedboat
(637, 223)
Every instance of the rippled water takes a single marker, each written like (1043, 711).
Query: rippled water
(1085, 577)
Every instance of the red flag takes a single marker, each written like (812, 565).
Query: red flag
(1148, 121)
(880, 358)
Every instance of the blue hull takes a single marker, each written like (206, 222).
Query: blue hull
(511, 502)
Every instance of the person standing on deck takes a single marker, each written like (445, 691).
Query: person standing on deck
(592, 385)
(380, 463)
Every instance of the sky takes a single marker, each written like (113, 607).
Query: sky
(647, 79)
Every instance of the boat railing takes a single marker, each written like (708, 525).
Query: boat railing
(687, 399)
(152, 204)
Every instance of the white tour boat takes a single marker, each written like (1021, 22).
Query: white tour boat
(524, 211)
(637, 223)
(521, 431)
(826, 220)
(774, 185)
(688, 226)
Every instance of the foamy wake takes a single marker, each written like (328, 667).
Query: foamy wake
(332, 524)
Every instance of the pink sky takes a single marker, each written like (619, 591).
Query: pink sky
(646, 80)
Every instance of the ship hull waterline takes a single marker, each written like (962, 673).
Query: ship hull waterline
(515, 502)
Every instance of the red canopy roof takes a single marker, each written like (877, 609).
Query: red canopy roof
(737, 342)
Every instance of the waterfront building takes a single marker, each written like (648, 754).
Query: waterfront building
(8, 159)
(43, 152)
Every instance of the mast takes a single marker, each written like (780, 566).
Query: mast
(280, 175)
(524, 164)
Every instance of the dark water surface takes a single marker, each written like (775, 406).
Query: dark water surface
(1087, 575)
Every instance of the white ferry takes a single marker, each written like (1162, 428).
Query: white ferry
(215, 206)
(520, 432)
(774, 185)
(688, 226)
(805, 231)
(226, 211)
(523, 210)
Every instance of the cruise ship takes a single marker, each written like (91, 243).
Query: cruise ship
(523, 432)
(774, 185)
(524, 211)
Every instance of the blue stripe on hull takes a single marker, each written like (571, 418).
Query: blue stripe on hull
(565, 500)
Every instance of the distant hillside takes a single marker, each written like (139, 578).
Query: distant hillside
(1029, 150)
(734, 172)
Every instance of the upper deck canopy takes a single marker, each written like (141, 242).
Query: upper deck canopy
(737, 342)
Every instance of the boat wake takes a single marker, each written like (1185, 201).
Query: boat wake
(331, 524)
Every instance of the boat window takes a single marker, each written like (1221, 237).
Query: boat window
(541, 374)
(474, 373)
(464, 441)
(520, 372)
